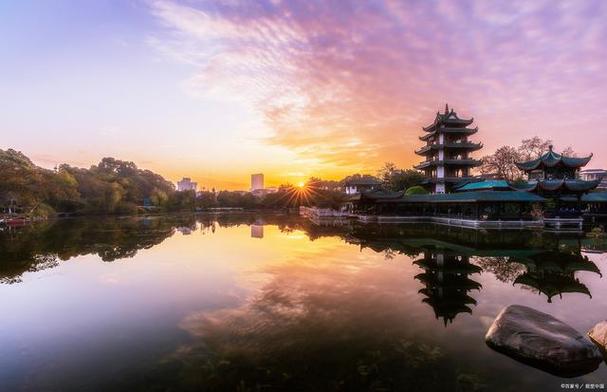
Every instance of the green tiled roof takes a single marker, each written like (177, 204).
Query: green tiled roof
(377, 194)
(595, 197)
(469, 197)
(551, 159)
(484, 185)
(554, 185)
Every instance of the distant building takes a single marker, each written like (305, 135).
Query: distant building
(186, 184)
(595, 174)
(256, 181)
(361, 185)
(256, 231)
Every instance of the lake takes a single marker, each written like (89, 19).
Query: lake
(247, 302)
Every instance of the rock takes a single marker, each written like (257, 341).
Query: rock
(540, 340)
(598, 334)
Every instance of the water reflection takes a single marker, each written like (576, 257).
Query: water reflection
(278, 303)
(447, 281)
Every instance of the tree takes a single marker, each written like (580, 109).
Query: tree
(502, 164)
(533, 148)
(356, 177)
(568, 152)
(395, 179)
(416, 190)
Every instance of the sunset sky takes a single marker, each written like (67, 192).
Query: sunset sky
(217, 90)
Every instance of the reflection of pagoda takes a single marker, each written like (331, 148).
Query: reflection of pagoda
(553, 273)
(447, 151)
(447, 282)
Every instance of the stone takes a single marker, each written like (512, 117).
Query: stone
(598, 334)
(540, 340)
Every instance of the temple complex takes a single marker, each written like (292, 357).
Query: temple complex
(553, 196)
(447, 151)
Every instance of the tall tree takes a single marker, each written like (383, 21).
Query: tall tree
(502, 163)
(533, 148)
(395, 179)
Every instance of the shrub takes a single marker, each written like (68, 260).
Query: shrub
(416, 190)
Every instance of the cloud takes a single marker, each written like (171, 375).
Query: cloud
(349, 84)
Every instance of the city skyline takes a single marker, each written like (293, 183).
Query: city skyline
(218, 90)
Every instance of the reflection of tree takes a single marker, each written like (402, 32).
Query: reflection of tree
(447, 283)
(501, 267)
(42, 246)
(545, 263)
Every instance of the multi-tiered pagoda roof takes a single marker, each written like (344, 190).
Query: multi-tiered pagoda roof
(556, 174)
(552, 159)
(553, 273)
(447, 150)
(446, 280)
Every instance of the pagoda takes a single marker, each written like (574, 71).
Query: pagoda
(447, 151)
(556, 176)
(447, 283)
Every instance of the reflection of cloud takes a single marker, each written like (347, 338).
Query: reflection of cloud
(349, 83)
(109, 279)
(318, 325)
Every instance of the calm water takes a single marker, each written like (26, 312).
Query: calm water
(276, 303)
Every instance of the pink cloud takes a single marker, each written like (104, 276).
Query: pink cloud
(351, 83)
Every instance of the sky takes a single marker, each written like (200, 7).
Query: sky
(217, 90)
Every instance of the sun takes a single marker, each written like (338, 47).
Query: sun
(301, 184)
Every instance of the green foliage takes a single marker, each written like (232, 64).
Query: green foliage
(550, 204)
(356, 177)
(416, 190)
(395, 179)
(597, 232)
(111, 187)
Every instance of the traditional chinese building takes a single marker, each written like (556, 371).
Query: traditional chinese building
(447, 282)
(447, 151)
(554, 166)
(556, 177)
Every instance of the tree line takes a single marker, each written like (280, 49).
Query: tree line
(119, 187)
(115, 186)
(502, 163)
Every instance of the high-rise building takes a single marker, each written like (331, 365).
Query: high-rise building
(186, 184)
(256, 181)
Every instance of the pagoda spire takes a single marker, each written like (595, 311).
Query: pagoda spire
(446, 108)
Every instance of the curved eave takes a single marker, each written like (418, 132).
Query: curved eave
(449, 130)
(450, 180)
(552, 287)
(596, 197)
(447, 162)
(550, 160)
(447, 122)
(470, 147)
(560, 185)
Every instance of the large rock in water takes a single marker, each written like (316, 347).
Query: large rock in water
(539, 340)
(598, 334)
